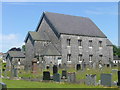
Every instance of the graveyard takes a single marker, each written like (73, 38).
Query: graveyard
(69, 78)
(62, 54)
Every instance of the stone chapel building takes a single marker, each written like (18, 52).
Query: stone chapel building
(65, 39)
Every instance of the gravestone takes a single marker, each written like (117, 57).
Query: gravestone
(15, 74)
(60, 65)
(106, 80)
(91, 79)
(64, 74)
(47, 67)
(34, 65)
(46, 75)
(43, 64)
(114, 70)
(94, 65)
(71, 77)
(64, 66)
(56, 77)
(3, 86)
(118, 78)
(55, 69)
(78, 66)
(83, 65)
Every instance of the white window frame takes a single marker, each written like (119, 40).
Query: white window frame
(90, 58)
(69, 57)
(80, 57)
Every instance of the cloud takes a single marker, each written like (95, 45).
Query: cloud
(9, 37)
(100, 12)
(9, 41)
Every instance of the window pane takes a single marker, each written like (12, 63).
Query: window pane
(68, 57)
(68, 42)
(100, 43)
(79, 42)
(90, 43)
(80, 57)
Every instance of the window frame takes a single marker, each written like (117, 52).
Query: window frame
(100, 43)
(80, 57)
(90, 43)
(68, 42)
(79, 42)
(68, 57)
(90, 57)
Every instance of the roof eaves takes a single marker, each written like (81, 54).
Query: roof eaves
(41, 18)
(83, 35)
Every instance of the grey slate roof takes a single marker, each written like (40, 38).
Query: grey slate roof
(67, 24)
(36, 36)
(50, 51)
(109, 43)
(16, 54)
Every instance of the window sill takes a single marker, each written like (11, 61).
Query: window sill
(69, 62)
(80, 62)
(90, 61)
(80, 46)
(100, 47)
(68, 46)
(91, 47)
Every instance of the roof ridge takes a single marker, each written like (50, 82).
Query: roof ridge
(65, 14)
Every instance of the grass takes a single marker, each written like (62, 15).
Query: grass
(29, 84)
(79, 75)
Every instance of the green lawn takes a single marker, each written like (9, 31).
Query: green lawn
(29, 84)
(79, 75)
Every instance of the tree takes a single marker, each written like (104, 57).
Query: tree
(23, 47)
(15, 49)
(116, 51)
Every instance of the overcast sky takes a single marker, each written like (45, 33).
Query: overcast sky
(19, 18)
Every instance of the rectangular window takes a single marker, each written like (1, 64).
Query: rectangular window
(79, 42)
(68, 57)
(90, 57)
(80, 57)
(90, 43)
(100, 43)
(68, 42)
(100, 57)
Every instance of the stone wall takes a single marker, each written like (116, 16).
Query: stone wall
(60, 43)
(85, 50)
(29, 54)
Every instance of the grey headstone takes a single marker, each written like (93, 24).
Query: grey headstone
(55, 69)
(114, 70)
(60, 66)
(64, 74)
(91, 79)
(15, 74)
(94, 65)
(106, 80)
(3, 86)
(114, 83)
(83, 65)
(65, 66)
(43, 65)
(56, 77)
(118, 78)
(46, 75)
(71, 77)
